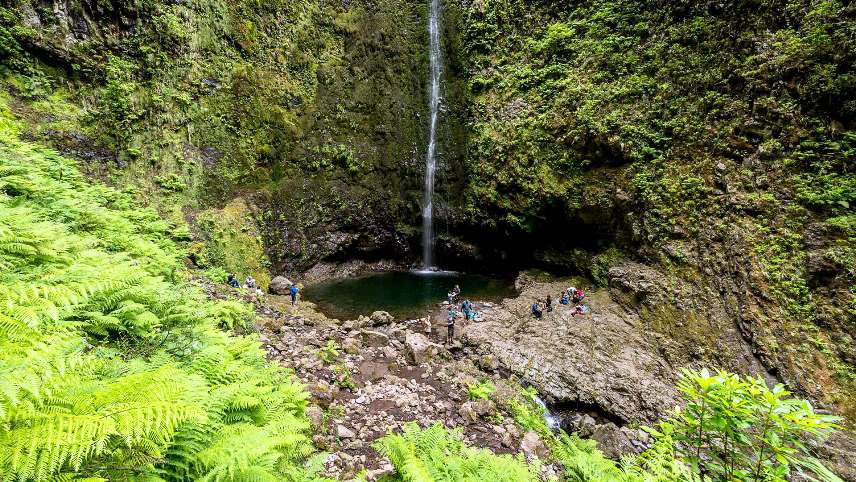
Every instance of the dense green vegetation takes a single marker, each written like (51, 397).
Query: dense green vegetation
(308, 106)
(112, 366)
(671, 133)
(730, 429)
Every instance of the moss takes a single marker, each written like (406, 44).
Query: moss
(232, 242)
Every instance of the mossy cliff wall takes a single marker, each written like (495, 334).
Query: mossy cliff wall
(312, 111)
(713, 141)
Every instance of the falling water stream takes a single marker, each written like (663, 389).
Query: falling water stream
(436, 62)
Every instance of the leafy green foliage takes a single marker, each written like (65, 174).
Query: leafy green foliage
(111, 365)
(437, 454)
(481, 390)
(735, 428)
(329, 352)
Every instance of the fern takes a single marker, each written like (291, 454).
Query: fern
(111, 365)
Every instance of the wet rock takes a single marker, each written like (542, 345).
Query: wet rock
(374, 339)
(280, 285)
(381, 318)
(419, 349)
(532, 446)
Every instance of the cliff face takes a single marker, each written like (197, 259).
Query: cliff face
(696, 157)
(711, 142)
(313, 111)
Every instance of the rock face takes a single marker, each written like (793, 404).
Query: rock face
(280, 285)
(610, 360)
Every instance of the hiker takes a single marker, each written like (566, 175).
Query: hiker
(580, 309)
(456, 290)
(250, 283)
(549, 303)
(536, 310)
(293, 290)
(232, 281)
(450, 325)
(472, 314)
(579, 295)
(566, 299)
(466, 307)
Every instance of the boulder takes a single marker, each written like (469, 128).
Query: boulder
(422, 325)
(468, 413)
(614, 441)
(397, 334)
(280, 285)
(532, 446)
(418, 348)
(316, 417)
(351, 346)
(374, 339)
(344, 432)
(381, 318)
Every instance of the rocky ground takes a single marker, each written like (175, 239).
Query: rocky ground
(370, 376)
(603, 374)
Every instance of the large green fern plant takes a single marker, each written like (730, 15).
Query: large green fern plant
(112, 367)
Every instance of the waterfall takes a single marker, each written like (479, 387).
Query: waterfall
(436, 62)
(553, 423)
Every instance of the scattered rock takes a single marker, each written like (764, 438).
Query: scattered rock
(351, 346)
(280, 285)
(374, 339)
(419, 349)
(344, 432)
(532, 446)
(381, 318)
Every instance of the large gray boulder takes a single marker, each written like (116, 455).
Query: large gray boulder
(418, 348)
(374, 339)
(280, 285)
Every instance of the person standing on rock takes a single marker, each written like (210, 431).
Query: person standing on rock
(536, 310)
(293, 291)
(450, 325)
(549, 303)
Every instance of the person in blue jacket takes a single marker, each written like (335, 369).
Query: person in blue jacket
(233, 281)
(293, 292)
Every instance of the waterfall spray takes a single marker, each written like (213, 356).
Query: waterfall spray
(436, 61)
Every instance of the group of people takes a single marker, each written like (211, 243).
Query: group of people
(252, 286)
(571, 296)
(468, 310)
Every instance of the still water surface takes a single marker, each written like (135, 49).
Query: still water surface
(403, 294)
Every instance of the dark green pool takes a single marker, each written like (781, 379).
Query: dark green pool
(403, 294)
